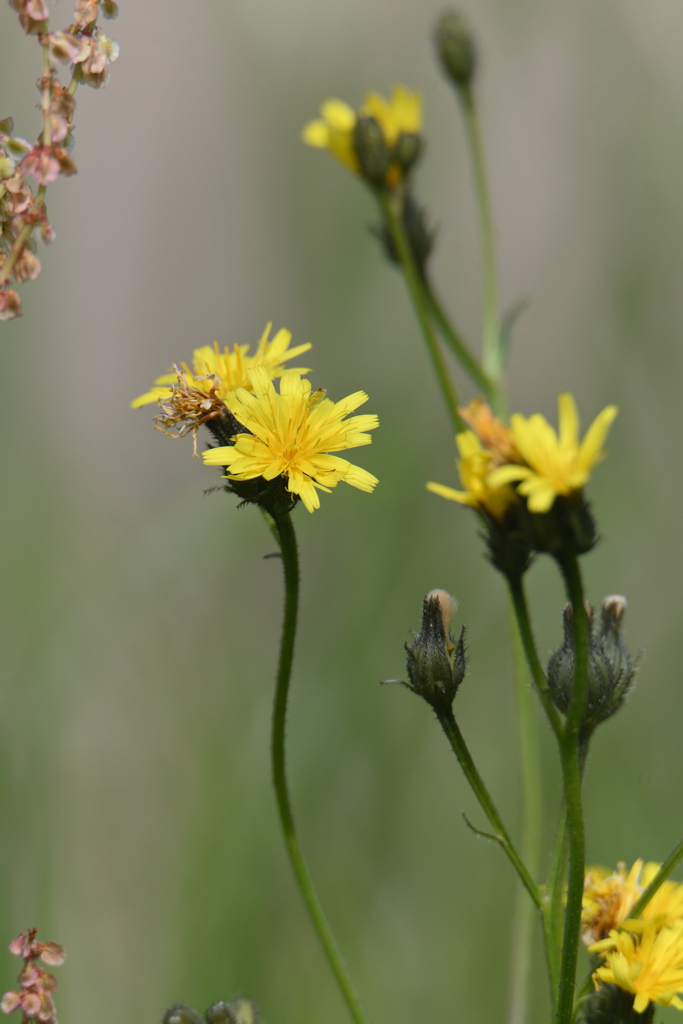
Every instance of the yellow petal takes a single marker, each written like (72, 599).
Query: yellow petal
(463, 497)
(339, 115)
(568, 419)
(590, 451)
(316, 133)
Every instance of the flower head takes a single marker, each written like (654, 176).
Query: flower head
(399, 116)
(291, 435)
(474, 470)
(554, 464)
(644, 961)
(216, 373)
(608, 898)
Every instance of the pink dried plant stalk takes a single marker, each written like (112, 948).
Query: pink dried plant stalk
(89, 52)
(36, 986)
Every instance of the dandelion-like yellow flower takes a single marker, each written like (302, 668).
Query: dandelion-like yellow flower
(292, 435)
(217, 373)
(609, 897)
(554, 464)
(644, 961)
(402, 114)
(474, 470)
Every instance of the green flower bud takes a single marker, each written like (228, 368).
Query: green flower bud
(180, 1014)
(611, 669)
(219, 1013)
(374, 157)
(407, 150)
(613, 1005)
(244, 1012)
(420, 235)
(436, 663)
(456, 49)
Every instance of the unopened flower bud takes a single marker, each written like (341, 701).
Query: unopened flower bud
(244, 1011)
(371, 150)
(219, 1013)
(418, 232)
(436, 663)
(456, 48)
(610, 669)
(407, 150)
(180, 1014)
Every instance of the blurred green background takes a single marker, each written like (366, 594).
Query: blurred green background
(138, 620)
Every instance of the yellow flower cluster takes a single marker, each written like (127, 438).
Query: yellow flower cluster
(400, 115)
(291, 434)
(643, 957)
(528, 459)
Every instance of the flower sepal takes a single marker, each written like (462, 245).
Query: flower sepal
(436, 662)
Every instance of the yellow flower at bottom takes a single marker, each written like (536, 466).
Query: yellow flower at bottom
(555, 463)
(644, 961)
(609, 897)
(216, 373)
(292, 435)
(402, 114)
(474, 470)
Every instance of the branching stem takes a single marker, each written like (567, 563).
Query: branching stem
(457, 742)
(414, 282)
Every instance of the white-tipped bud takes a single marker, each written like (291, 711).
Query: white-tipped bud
(447, 606)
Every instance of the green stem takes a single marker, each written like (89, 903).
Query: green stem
(669, 865)
(571, 772)
(290, 559)
(523, 926)
(492, 361)
(519, 603)
(555, 892)
(457, 742)
(414, 282)
(457, 345)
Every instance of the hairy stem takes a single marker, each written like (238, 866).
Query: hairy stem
(571, 772)
(521, 609)
(502, 836)
(457, 345)
(666, 869)
(290, 560)
(416, 290)
(532, 792)
(491, 354)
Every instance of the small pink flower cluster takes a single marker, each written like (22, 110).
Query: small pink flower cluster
(36, 985)
(89, 52)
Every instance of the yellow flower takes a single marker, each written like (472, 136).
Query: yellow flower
(402, 114)
(216, 373)
(490, 430)
(608, 899)
(474, 470)
(554, 464)
(292, 434)
(645, 962)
